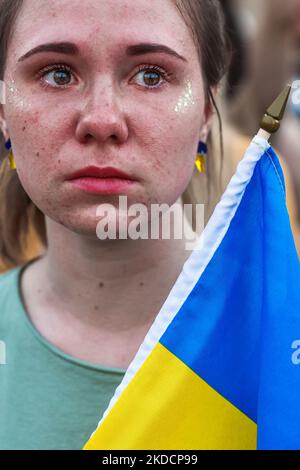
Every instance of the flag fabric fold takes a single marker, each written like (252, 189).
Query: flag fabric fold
(220, 366)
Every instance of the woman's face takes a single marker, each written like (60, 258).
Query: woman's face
(104, 101)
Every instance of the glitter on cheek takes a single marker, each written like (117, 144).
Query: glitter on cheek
(186, 100)
(14, 97)
(2, 92)
(12, 86)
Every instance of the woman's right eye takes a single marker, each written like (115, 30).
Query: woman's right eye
(60, 76)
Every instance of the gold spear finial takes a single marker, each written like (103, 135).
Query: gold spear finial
(274, 114)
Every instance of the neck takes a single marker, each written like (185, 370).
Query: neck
(111, 284)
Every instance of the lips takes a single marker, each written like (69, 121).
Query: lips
(95, 180)
(97, 172)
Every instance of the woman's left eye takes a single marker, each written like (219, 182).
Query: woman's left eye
(153, 75)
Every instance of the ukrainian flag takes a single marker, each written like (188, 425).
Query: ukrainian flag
(220, 366)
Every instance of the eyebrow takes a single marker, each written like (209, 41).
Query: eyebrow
(148, 48)
(70, 48)
(62, 47)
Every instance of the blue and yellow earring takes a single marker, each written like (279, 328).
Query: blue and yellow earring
(10, 155)
(201, 157)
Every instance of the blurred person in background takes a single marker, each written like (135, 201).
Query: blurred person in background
(272, 44)
(265, 40)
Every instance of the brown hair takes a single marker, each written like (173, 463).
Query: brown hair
(206, 21)
(20, 218)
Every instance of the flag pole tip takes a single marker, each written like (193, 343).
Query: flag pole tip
(274, 114)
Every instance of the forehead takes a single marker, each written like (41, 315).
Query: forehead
(101, 22)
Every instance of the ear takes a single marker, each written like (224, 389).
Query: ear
(208, 115)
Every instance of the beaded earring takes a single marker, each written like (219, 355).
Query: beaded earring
(10, 155)
(201, 157)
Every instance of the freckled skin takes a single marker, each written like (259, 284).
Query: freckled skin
(105, 116)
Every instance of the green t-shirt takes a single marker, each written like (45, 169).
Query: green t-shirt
(48, 399)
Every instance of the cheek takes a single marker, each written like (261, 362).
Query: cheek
(33, 155)
(170, 168)
(35, 141)
(31, 151)
(175, 140)
(172, 158)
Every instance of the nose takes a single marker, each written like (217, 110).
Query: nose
(101, 117)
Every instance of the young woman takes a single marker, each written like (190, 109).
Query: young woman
(103, 84)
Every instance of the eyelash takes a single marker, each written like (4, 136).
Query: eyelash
(167, 76)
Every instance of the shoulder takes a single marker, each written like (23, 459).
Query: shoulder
(7, 276)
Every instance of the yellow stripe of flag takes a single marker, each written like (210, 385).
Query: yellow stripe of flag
(178, 410)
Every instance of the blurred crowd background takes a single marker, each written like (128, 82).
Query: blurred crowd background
(265, 40)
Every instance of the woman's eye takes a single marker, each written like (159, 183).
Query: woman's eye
(58, 76)
(151, 76)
